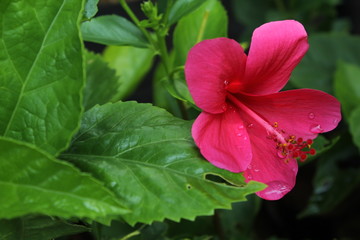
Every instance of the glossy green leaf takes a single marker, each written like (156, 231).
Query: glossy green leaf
(208, 21)
(113, 30)
(354, 124)
(90, 9)
(131, 65)
(40, 228)
(147, 157)
(102, 82)
(317, 68)
(182, 8)
(33, 182)
(347, 87)
(41, 71)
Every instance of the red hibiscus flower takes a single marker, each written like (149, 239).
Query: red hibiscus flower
(247, 125)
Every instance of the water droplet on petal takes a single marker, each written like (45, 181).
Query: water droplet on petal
(311, 115)
(245, 138)
(250, 166)
(275, 190)
(226, 82)
(224, 107)
(256, 170)
(249, 176)
(239, 134)
(336, 121)
(241, 127)
(250, 125)
(316, 128)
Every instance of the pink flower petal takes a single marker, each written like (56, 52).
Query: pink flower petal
(276, 48)
(223, 140)
(300, 113)
(269, 167)
(210, 66)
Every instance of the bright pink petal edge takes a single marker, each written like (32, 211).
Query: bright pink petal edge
(223, 140)
(210, 66)
(276, 48)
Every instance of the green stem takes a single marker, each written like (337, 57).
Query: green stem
(163, 52)
(133, 17)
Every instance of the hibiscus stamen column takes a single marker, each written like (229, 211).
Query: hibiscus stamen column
(268, 127)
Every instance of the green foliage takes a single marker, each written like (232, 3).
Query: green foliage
(102, 82)
(132, 171)
(40, 80)
(38, 228)
(354, 121)
(48, 186)
(113, 30)
(319, 15)
(147, 157)
(90, 9)
(335, 176)
(317, 68)
(182, 8)
(208, 21)
(131, 64)
(347, 86)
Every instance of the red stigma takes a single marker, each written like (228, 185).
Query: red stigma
(292, 147)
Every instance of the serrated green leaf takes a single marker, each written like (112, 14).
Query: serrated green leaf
(354, 125)
(182, 8)
(40, 228)
(131, 64)
(317, 68)
(113, 30)
(33, 182)
(41, 71)
(347, 87)
(90, 9)
(102, 82)
(147, 157)
(208, 21)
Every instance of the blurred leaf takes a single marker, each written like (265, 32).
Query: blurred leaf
(48, 186)
(41, 71)
(354, 124)
(131, 64)
(347, 87)
(121, 230)
(90, 9)
(9, 229)
(237, 223)
(102, 83)
(317, 68)
(147, 157)
(45, 228)
(336, 177)
(182, 8)
(161, 96)
(177, 87)
(113, 30)
(40, 228)
(206, 22)
(251, 14)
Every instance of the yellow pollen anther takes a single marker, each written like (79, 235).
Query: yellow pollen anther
(276, 124)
